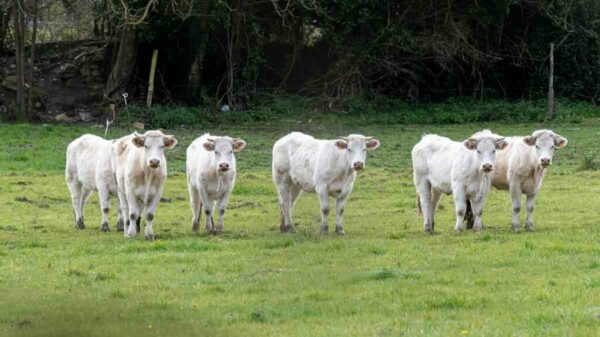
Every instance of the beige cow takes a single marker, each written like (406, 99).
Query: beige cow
(521, 169)
(141, 172)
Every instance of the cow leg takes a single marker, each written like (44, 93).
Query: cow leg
(196, 204)
(435, 199)
(76, 190)
(515, 195)
(460, 205)
(208, 206)
(149, 210)
(120, 220)
(530, 206)
(323, 194)
(221, 206)
(208, 212)
(477, 207)
(134, 214)
(85, 194)
(424, 191)
(339, 214)
(124, 211)
(285, 206)
(104, 198)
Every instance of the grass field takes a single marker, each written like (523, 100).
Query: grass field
(384, 278)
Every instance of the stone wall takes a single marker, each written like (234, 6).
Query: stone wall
(69, 79)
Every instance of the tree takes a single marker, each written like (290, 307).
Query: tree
(20, 27)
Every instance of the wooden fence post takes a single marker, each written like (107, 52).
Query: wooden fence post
(550, 109)
(151, 80)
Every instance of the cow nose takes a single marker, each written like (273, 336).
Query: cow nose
(545, 162)
(224, 166)
(487, 167)
(154, 163)
(358, 165)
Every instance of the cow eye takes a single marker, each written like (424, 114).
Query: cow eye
(230, 152)
(162, 146)
(217, 152)
(146, 146)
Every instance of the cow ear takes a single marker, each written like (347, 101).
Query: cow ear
(471, 144)
(138, 141)
(341, 144)
(170, 142)
(501, 144)
(238, 145)
(560, 142)
(529, 140)
(373, 144)
(209, 146)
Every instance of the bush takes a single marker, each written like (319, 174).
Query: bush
(361, 109)
(163, 116)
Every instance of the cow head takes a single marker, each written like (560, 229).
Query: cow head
(154, 144)
(545, 142)
(486, 143)
(356, 147)
(223, 149)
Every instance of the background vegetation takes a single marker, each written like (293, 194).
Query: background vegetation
(214, 52)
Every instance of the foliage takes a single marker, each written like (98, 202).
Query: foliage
(385, 278)
(414, 49)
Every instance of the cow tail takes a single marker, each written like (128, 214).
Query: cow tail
(469, 215)
(419, 209)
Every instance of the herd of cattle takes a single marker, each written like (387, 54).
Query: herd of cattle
(134, 169)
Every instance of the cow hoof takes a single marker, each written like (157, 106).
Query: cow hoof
(340, 232)
(515, 229)
(149, 237)
(104, 227)
(80, 224)
(529, 228)
(324, 231)
(288, 229)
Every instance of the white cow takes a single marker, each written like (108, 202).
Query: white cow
(90, 168)
(521, 169)
(141, 171)
(327, 167)
(463, 169)
(211, 170)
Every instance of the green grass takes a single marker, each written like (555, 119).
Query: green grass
(385, 278)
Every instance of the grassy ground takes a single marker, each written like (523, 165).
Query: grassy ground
(385, 278)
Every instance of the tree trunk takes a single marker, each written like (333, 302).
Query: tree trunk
(34, 18)
(123, 65)
(19, 24)
(5, 16)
